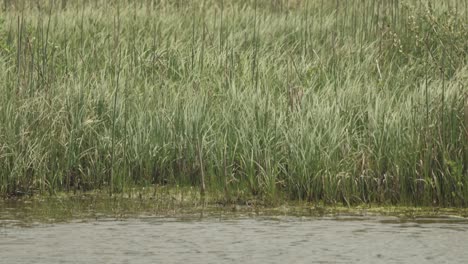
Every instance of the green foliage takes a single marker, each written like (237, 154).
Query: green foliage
(360, 102)
(430, 36)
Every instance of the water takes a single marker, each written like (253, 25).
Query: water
(237, 239)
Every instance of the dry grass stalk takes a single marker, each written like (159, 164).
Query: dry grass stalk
(295, 95)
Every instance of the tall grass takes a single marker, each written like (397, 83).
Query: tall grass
(334, 101)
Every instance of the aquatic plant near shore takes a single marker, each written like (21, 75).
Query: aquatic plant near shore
(156, 92)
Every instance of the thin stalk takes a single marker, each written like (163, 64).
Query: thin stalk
(254, 61)
(321, 18)
(45, 52)
(193, 37)
(202, 169)
(202, 55)
(221, 27)
(443, 99)
(18, 55)
(114, 117)
(306, 30)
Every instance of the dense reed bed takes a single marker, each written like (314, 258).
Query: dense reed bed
(359, 101)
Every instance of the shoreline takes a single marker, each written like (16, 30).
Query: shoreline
(184, 203)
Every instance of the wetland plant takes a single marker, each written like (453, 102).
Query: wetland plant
(332, 101)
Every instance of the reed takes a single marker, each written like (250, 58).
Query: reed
(327, 101)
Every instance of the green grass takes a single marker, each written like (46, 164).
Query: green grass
(334, 101)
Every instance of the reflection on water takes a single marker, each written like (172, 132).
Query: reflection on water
(236, 239)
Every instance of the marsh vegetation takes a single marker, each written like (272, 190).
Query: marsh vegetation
(333, 101)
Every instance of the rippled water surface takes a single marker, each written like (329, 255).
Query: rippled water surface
(238, 239)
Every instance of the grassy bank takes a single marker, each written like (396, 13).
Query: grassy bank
(334, 101)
